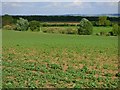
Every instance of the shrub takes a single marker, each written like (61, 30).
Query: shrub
(7, 20)
(98, 34)
(107, 23)
(102, 33)
(22, 24)
(9, 27)
(115, 29)
(85, 27)
(71, 31)
(102, 20)
(60, 30)
(34, 25)
(110, 33)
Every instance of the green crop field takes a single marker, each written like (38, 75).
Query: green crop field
(35, 60)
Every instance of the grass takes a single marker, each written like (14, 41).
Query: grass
(34, 59)
(101, 29)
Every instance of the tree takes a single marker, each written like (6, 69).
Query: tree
(34, 25)
(7, 20)
(85, 28)
(102, 20)
(107, 23)
(22, 24)
(116, 29)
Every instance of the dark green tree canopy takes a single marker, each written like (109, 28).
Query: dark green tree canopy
(85, 28)
(116, 29)
(7, 20)
(34, 25)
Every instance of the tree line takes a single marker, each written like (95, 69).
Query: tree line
(84, 27)
(96, 21)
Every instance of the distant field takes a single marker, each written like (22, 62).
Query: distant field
(101, 29)
(35, 59)
(62, 22)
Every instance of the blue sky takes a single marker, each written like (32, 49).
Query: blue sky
(58, 8)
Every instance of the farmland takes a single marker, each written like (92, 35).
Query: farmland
(36, 59)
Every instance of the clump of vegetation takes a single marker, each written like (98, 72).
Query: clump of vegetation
(60, 30)
(85, 28)
(116, 29)
(34, 25)
(8, 27)
(7, 20)
(107, 23)
(71, 31)
(22, 24)
(103, 21)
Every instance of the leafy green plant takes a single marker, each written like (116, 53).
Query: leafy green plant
(105, 66)
(34, 25)
(85, 27)
(84, 69)
(116, 29)
(118, 74)
(22, 24)
(108, 74)
(55, 66)
(9, 27)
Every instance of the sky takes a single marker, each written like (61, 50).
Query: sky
(58, 7)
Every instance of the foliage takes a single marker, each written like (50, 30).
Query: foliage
(22, 24)
(7, 20)
(116, 29)
(34, 25)
(9, 27)
(85, 28)
(61, 18)
(102, 20)
(61, 30)
(107, 23)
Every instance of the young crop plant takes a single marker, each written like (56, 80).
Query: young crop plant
(55, 66)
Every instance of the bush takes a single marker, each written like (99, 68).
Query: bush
(111, 33)
(107, 23)
(7, 20)
(71, 31)
(116, 29)
(85, 28)
(34, 25)
(9, 27)
(60, 30)
(102, 33)
(22, 24)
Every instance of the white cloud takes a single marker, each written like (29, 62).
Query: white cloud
(113, 4)
(60, 0)
(15, 5)
(12, 4)
(77, 2)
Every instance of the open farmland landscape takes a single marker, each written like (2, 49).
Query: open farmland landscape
(50, 45)
(34, 59)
